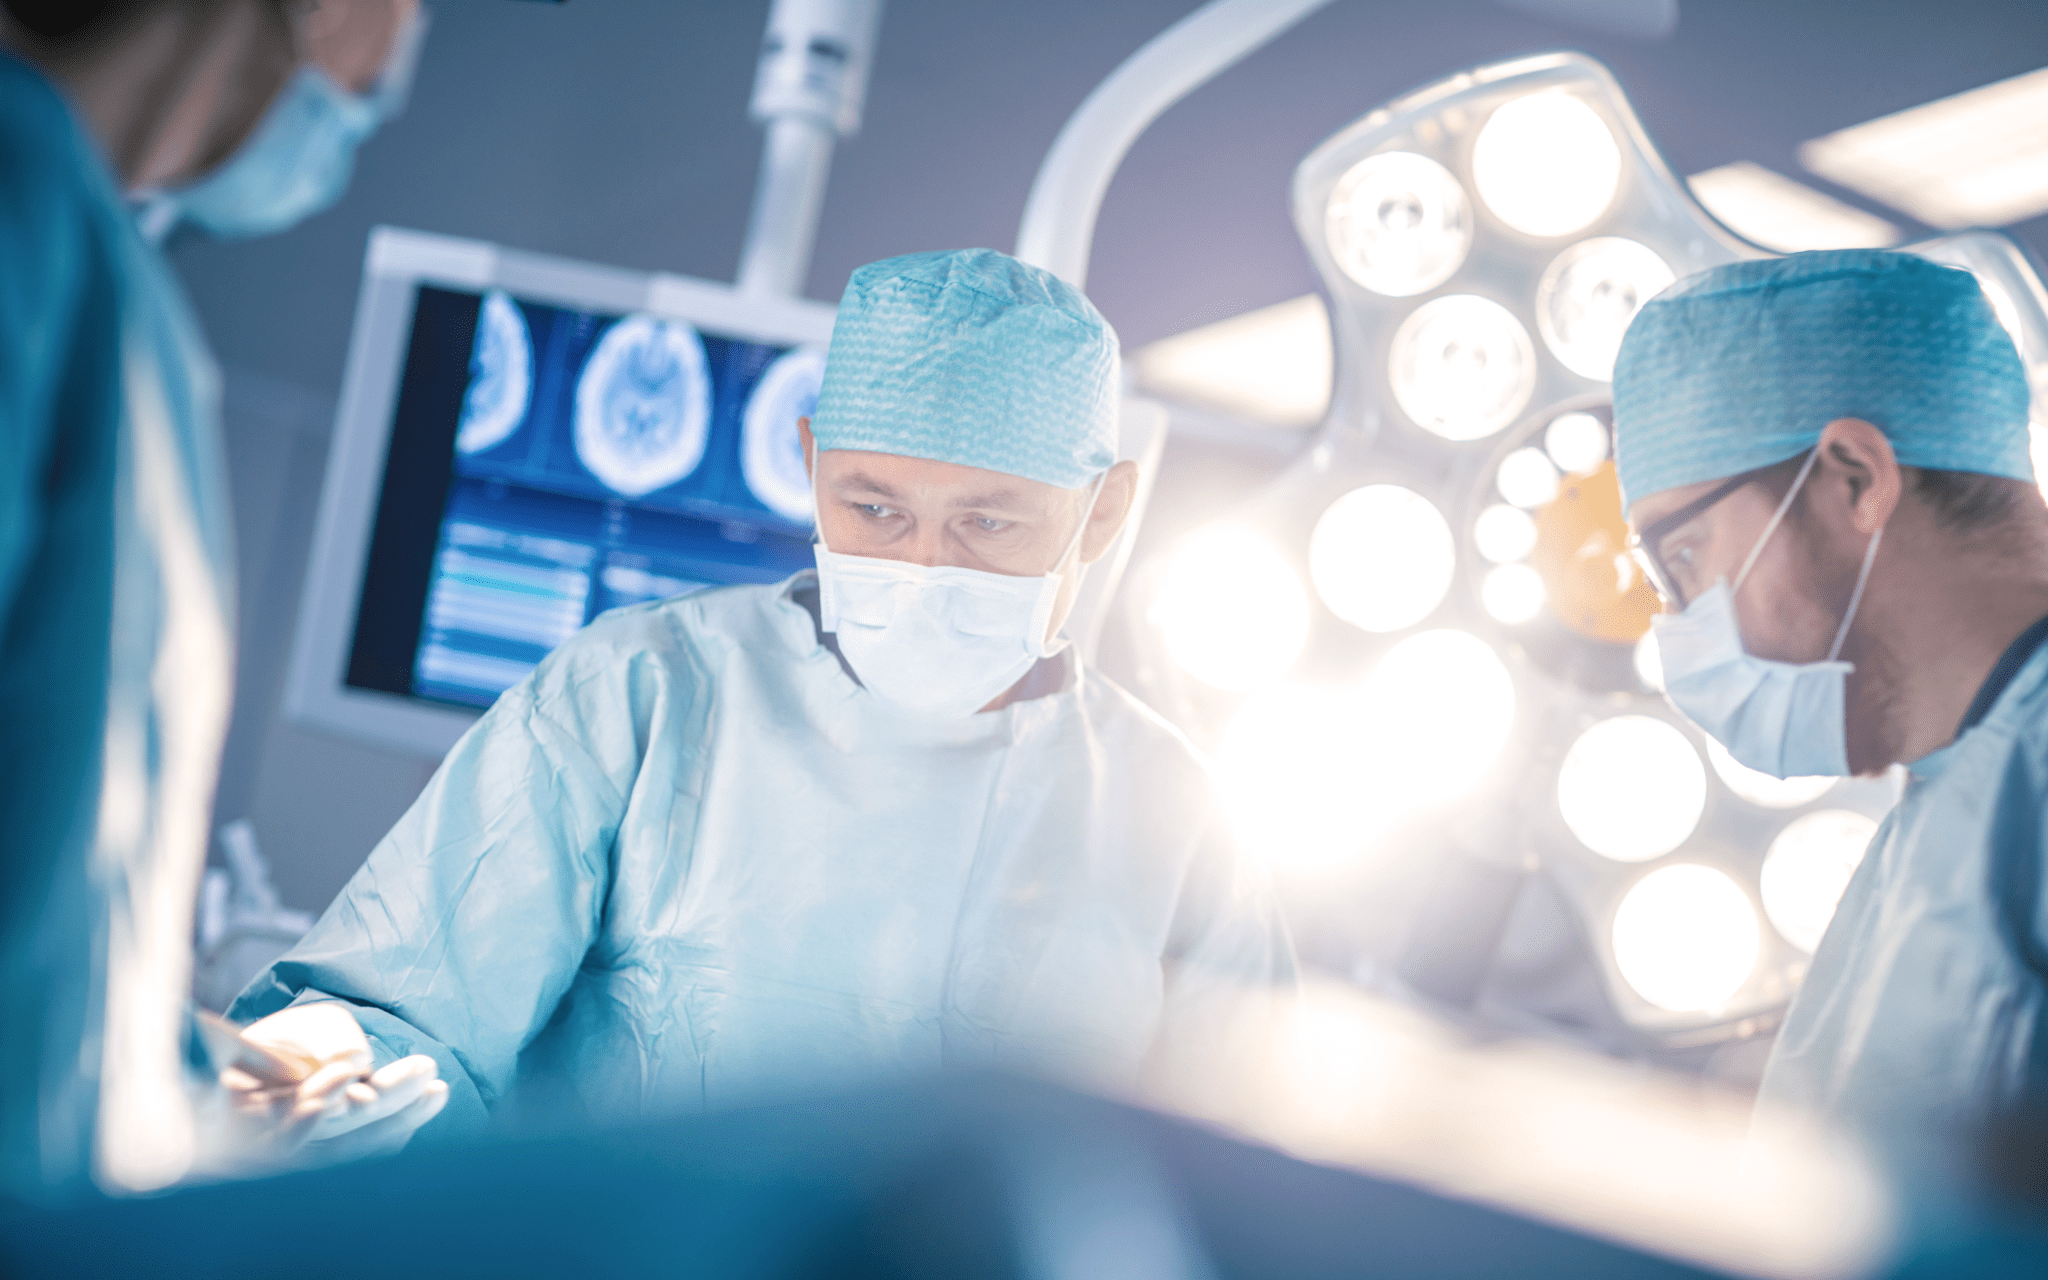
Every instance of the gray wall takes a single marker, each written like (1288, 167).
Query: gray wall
(616, 130)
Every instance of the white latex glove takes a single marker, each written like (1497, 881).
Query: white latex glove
(323, 1090)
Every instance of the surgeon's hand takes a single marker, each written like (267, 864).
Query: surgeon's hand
(317, 1086)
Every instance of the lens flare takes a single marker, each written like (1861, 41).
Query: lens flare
(1382, 557)
(1588, 295)
(1462, 366)
(1546, 164)
(1231, 609)
(1632, 788)
(1398, 223)
(1807, 869)
(1686, 938)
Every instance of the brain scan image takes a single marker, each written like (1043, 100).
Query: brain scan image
(643, 405)
(771, 452)
(500, 376)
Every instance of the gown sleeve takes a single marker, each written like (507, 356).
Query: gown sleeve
(463, 931)
(1229, 972)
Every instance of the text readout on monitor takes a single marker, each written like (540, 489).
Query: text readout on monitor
(547, 464)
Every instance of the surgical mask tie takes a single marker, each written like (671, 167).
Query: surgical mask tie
(1781, 718)
(939, 641)
(299, 159)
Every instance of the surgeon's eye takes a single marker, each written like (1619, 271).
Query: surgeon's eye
(988, 524)
(874, 510)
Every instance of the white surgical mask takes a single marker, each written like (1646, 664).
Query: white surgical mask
(299, 159)
(1783, 718)
(934, 640)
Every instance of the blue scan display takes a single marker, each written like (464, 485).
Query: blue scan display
(547, 464)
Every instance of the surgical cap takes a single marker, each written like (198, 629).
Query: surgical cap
(971, 356)
(1743, 365)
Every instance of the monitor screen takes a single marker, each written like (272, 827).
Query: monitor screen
(547, 463)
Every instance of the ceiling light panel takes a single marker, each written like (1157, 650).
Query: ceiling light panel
(1771, 210)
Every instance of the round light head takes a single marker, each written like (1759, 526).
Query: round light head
(1381, 557)
(1807, 869)
(1576, 442)
(1526, 478)
(1632, 788)
(1512, 593)
(1231, 609)
(1503, 534)
(1398, 223)
(1588, 295)
(1462, 366)
(1546, 164)
(1760, 788)
(1686, 938)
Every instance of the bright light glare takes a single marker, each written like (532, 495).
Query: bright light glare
(1685, 938)
(1504, 534)
(1650, 663)
(1761, 788)
(2037, 449)
(1382, 557)
(1512, 593)
(1632, 788)
(1588, 295)
(1576, 442)
(1546, 164)
(1527, 478)
(1398, 223)
(1232, 610)
(1462, 366)
(1808, 867)
(1311, 776)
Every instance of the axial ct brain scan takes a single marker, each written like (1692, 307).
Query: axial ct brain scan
(643, 405)
(549, 463)
(500, 376)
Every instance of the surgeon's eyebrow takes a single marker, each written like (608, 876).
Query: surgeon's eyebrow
(867, 484)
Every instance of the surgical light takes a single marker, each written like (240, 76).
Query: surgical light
(1526, 478)
(1807, 869)
(1632, 788)
(1313, 775)
(1398, 223)
(1760, 788)
(1686, 938)
(1546, 164)
(1588, 295)
(1504, 534)
(1382, 557)
(1231, 608)
(1576, 441)
(1649, 663)
(1462, 366)
(1512, 593)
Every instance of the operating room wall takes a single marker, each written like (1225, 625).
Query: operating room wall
(616, 131)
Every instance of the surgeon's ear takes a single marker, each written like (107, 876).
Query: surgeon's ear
(803, 432)
(1112, 508)
(1860, 455)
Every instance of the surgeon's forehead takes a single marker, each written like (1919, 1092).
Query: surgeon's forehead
(901, 478)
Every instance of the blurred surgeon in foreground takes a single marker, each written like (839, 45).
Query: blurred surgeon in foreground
(876, 819)
(115, 587)
(1825, 459)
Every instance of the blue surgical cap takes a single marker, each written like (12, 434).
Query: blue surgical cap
(1743, 365)
(973, 357)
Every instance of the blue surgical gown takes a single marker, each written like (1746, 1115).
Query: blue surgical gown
(1922, 1015)
(115, 662)
(690, 862)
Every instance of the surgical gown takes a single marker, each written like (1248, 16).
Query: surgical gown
(115, 663)
(691, 862)
(1923, 1013)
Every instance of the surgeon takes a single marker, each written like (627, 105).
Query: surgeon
(876, 819)
(1825, 461)
(115, 634)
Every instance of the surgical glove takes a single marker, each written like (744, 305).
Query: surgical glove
(323, 1089)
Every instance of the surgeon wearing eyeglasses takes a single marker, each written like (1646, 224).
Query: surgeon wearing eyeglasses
(1825, 458)
(876, 820)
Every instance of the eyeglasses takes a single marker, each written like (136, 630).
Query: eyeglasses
(1646, 546)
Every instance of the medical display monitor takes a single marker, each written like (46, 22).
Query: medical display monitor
(524, 443)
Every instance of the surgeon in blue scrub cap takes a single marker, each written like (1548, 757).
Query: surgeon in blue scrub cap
(1825, 459)
(876, 819)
